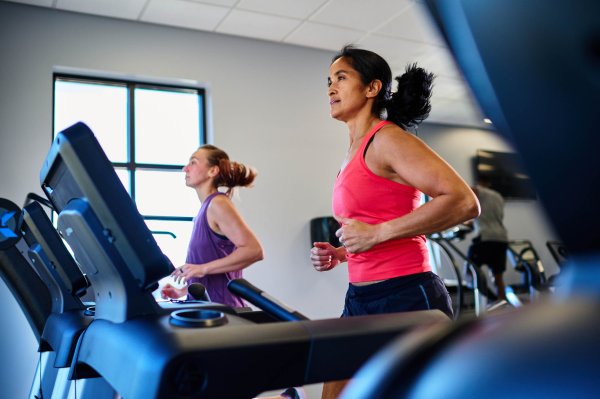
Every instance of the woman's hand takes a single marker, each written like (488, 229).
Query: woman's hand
(184, 273)
(325, 256)
(168, 291)
(357, 236)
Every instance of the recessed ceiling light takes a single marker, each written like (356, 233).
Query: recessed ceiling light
(487, 120)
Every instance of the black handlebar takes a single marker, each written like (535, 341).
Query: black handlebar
(262, 300)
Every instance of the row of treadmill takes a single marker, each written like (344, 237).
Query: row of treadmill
(534, 69)
(120, 342)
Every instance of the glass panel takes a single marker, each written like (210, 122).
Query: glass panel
(164, 193)
(174, 248)
(102, 107)
(167, 126)
(125, 178)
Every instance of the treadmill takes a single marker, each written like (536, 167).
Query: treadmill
(47, 285)
(203, 350)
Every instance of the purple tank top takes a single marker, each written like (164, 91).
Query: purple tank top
(205, 246)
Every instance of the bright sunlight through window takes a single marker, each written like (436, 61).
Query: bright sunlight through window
(148, 132)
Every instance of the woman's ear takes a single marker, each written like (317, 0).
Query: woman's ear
(374, 88)
(213, 171)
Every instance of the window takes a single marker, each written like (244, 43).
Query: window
(148, 131)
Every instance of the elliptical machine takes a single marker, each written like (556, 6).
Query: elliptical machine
(443, 252)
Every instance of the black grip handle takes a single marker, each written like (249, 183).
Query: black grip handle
(261, 299)
(198, 292)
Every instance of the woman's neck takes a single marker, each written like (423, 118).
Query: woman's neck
(205, 190)
(358, 128)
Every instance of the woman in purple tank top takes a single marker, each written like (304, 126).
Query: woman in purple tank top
(221, 244)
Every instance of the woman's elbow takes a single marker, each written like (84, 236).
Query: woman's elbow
(250, 254)
(472, 207)
(258, 254)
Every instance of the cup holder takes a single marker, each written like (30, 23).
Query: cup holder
(197, 318)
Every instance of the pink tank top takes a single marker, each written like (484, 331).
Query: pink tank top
(360, 194)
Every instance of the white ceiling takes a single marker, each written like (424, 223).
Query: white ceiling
(399, 30)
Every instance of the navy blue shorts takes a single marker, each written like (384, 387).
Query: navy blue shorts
(421, 291)
(490, 253)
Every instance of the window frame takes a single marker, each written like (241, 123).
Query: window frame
(131, 84)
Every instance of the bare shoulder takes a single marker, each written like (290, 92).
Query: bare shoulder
(220, 203)
(393, 139)
(222, 215)
(220, 199)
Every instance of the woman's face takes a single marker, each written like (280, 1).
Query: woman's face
(347, 93)
(198, 170)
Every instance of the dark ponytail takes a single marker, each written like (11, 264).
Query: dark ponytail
(410, 104)
(231, 174)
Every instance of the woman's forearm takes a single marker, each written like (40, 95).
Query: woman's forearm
(240, 258)
(436, 215)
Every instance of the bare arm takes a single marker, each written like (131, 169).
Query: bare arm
(224, 219)
(399, 156)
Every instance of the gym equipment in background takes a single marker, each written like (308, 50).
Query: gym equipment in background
(561, 256)
(443, 251)
(559, 252)
(526, 260)
(322, 229)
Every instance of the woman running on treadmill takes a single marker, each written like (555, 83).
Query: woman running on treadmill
(221, 244)
(377, 194)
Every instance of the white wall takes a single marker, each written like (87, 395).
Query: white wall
(269, 110)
